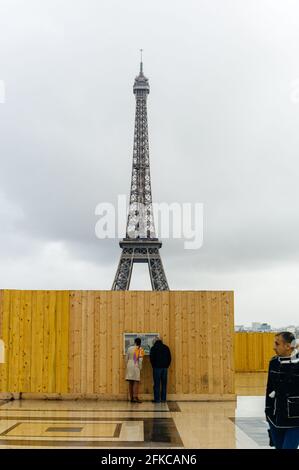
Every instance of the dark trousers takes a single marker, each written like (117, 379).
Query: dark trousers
(160, 383)
(287, 438)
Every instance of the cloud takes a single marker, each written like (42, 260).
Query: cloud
(223, 131)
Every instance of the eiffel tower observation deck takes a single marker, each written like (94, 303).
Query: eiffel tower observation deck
(140, 244)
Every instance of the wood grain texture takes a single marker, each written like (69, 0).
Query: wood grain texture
(35, 331)
(71, 342)
(253, 351)
(1, 312)
(4, 369)
(196, 325)
(37, 353)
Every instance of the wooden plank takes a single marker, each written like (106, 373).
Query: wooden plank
(231, 333)
(165, 316)
(147, 372)
(158, 313)
(204, 344)
(97, 354)
(1, 312)
(46, 341)
(245, 352)
(251, 351)
(71, 365)
(237, 351)
(216, 340)
(103, 353)
(254, 352)
(184, 340)
(227, 341)
(77, 338)
(192, 332)
(84, 342)
(207, 311)
(10, 341)
(257, 351)
(134, 313)
(58, 345)
(140, 312)
(268, 351)
(1, 332)
(37, 350)
(5, 337)
(143, 386)
(172, 370)
(19, 373)
(25, 343)
(230, 307)
(63, 360)
(264, 346)
(178, 342)
(109, 341)
(14, 363)
(212, 339)
(115, 334)
(196, 352)
(90, 320)
(52, 343)
(152, 317)
(128, 320)
(197, 346)
(122, 382)
(152, 305)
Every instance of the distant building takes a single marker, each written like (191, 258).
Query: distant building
(258, 327)
(265, 327)
(239, 328)
(261, 327)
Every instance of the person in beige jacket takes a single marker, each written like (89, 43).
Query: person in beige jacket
(134, 365)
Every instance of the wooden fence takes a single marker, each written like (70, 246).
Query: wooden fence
(70, 343)
(253, 351)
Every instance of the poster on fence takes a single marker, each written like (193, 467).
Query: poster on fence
(147, 340)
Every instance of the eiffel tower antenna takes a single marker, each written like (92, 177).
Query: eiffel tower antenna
(140, 244)
(141, 63)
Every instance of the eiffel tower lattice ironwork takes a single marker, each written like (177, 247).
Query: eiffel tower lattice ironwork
(140, 244)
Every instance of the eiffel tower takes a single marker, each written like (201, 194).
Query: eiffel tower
(140, 244)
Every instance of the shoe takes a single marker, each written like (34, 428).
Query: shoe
(137, 400)
(133, 400)
(156, 401)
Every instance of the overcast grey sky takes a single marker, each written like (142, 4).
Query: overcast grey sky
(223, 126)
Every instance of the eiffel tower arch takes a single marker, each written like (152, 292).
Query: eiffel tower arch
(140, 244)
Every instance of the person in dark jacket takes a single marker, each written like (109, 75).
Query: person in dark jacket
(282, 395)
(160, 358)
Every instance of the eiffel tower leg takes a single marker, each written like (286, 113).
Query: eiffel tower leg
(124, 272)
(157, 274)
